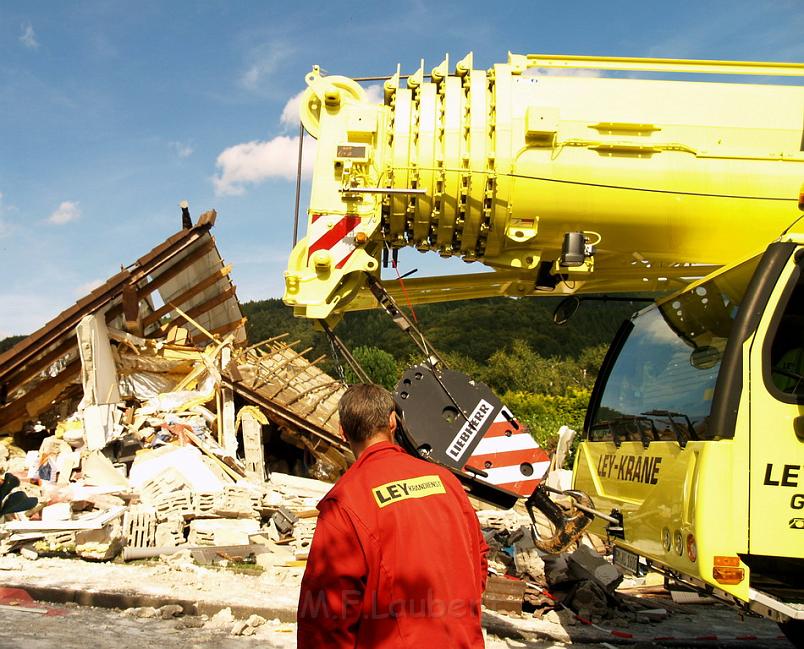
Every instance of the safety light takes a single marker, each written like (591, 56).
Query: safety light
(692, 548)
(361, 238)
(726, 570)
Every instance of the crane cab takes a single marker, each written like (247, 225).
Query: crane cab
(694, 437)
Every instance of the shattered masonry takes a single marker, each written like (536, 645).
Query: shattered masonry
(147, 394)
(143, 391)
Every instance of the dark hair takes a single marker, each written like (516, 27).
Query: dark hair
(364, 409)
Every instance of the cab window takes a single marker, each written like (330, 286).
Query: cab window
(661, 385)
(785, 357)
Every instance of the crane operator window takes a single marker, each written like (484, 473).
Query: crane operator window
(661, 384)
(786, 359)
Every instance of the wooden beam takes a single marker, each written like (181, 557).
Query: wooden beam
(202, 308)
(267, 341)
(169, 273)
(19, 407)
(27, 372)
(131, 310)
(277, 411)
(231, 326)
(186, 295)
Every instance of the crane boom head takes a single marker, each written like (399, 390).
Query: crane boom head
(558, 184)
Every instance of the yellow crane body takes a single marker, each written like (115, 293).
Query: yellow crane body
(598, 183)
(497, 166)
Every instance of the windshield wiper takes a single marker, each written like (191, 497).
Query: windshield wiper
(639, 420)
(671, 417)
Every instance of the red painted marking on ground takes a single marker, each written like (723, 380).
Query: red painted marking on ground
(21, 597)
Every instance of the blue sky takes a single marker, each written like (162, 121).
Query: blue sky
(113, 112)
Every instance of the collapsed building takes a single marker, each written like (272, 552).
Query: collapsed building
(144, 424)
(146, 394)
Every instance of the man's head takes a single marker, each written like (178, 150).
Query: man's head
(367, 415)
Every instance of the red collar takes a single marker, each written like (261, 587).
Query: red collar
(379, 447)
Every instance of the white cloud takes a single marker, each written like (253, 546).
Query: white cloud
(28, 36)
(253, 162)
(182, 149)
(375, 94)
(67, 211)
(256, 161)
(87, 287)
(264, 61)
(561, 72)
(290, 113)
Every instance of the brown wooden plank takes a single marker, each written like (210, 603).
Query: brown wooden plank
(183, 264)
(131, 310)
(18, 407)
(231, 326)
(205, 306)
(32, 369)
(187, 295)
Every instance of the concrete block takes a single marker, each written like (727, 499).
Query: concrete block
(169, 533)
(204, 505)
(222, 531)
(166, 482)
(139, 526)
(234, 502)
(527, 560)
(100, 545)
(589, 600)
(585, 563)
(28, 553)
(302, 538)
(178, 504)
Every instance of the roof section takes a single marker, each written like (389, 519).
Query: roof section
(184, 271)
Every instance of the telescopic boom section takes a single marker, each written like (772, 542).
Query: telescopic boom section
(561, 184)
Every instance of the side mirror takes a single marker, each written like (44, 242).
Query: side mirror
(704, 357)
(566, 309)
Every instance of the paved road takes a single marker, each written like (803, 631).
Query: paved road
(81, 627)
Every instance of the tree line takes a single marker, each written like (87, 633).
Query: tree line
(543, 372)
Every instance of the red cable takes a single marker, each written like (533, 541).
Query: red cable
(404, 291)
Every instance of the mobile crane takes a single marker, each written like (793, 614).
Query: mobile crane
(693, 453)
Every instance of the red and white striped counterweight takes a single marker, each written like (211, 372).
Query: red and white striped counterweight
(509, 456)
(460, 423)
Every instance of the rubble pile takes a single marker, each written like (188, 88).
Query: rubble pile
(151, 410)
(580, 582)
(134, 426)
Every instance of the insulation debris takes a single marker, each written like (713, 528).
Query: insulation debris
(134, 421)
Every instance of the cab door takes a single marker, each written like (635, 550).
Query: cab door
(776, 359)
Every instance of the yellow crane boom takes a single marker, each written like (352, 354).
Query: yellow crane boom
(560, 184)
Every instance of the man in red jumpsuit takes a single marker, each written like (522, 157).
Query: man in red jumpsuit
(398, 558)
